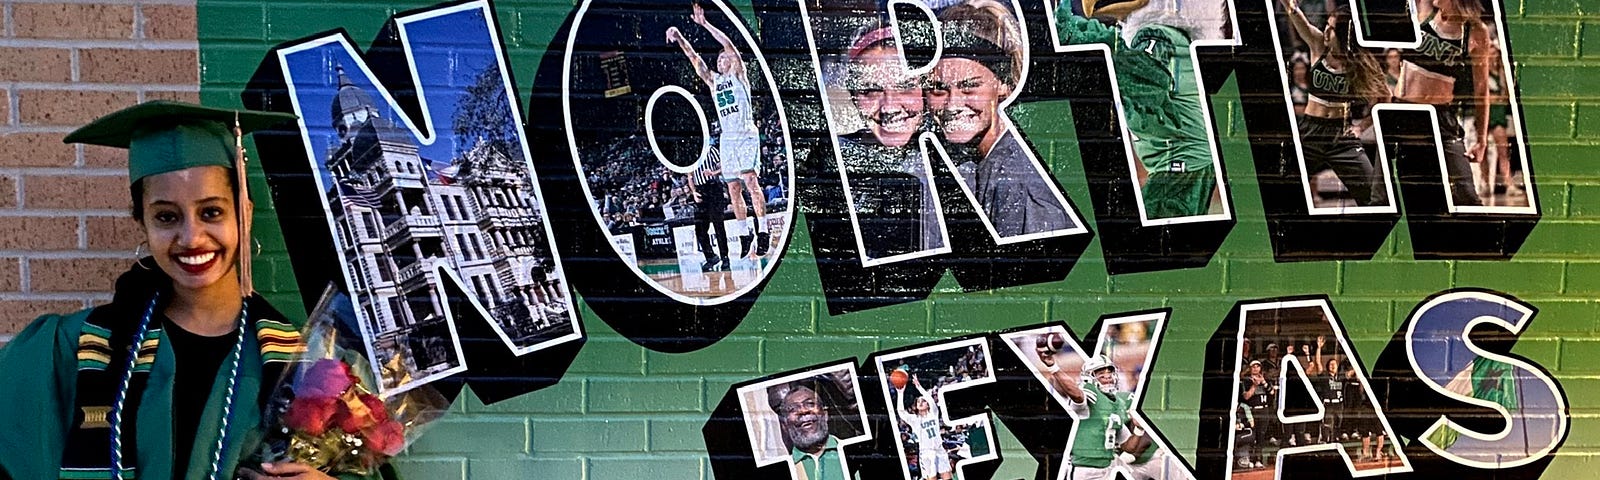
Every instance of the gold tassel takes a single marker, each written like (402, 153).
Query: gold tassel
(246, 285)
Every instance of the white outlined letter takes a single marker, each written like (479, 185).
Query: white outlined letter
(1448, 362)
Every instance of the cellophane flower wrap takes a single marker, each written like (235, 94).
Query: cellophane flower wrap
(326, 411)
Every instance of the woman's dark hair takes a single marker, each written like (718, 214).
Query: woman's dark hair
(136, 191)
(1366, 74)
(993, 22)
(1471, 11)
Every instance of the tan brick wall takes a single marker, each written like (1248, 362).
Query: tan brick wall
(64, 226)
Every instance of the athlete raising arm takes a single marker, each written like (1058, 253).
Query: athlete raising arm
(934, 460)
(740, 142)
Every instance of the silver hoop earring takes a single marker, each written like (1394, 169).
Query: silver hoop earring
(258, 246)
(139, 252)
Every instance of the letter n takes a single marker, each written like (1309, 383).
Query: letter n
(408, 183)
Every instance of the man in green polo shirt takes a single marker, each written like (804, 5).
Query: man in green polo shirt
(813, 452)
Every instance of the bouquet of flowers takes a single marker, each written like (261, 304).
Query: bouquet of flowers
(325, 411)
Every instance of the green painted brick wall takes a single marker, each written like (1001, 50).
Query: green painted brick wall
(623, 412)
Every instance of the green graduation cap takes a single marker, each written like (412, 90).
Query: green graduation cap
(163, 136)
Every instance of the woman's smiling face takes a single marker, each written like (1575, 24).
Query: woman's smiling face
(888, 95)
(190, 222)
(966, 97)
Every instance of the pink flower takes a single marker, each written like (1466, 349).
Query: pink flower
(310, 414)
(327, 378)
(387, 437)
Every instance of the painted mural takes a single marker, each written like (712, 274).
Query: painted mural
(665, 168)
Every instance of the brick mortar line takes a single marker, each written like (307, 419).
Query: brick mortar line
(139, 21)
(87, 43)
(1546, 16)
(75, 62)
(56, 255)
(105, 87)
(1551, 61)
(10, 129)
(1541, 20)
(61, 212)
(109, 2)
(84, 299)
(237, 43)
(54, 297)
(144, 96)
(1573, 142)
(1559, 180)
(66, 171)
(101, 254)
(12, 104)
(25, 283)
(68, 254)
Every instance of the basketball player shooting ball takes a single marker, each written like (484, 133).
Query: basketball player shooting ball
(740, 143)
(933, 459)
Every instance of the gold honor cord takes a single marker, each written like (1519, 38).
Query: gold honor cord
(246, 285)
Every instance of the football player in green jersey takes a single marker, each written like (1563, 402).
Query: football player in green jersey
(1107, 436)
(1160, 91)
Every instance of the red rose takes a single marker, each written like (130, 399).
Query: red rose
(387, 437)
(325, 379)
(379, 411)
(353, 414)
(310, 414)
(343, 419)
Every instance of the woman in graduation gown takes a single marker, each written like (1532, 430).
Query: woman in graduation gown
(168, 380)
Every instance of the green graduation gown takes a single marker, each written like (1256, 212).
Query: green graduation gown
(41, 363)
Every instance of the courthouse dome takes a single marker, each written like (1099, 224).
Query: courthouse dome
(352, 106)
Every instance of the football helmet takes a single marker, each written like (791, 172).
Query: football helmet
(1096, 364)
